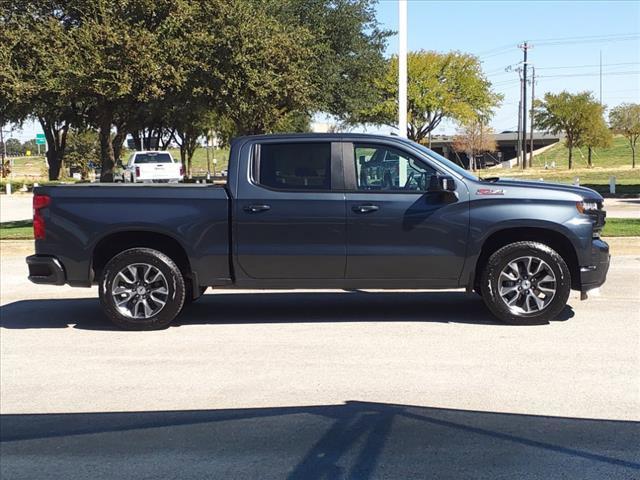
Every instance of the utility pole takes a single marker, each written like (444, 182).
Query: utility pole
(600, 77)
(518, 144)
(519, 155)
(533, 97)
(208, 159)
(4, 146)
(402, 68)
(525, 48)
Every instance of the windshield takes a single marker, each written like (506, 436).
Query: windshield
(448, 163)
(153, 157)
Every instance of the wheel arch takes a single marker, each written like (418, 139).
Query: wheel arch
(115, 242)
(552, 238)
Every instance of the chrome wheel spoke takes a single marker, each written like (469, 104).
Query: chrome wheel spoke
(539, 302)
(513, 300)
(123, 298)
(509, 276)
(506, 290)
(126, 279)
(527, 285)
(148, 311)
(140, 291)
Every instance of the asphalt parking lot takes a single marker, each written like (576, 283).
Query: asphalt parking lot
(325, 385)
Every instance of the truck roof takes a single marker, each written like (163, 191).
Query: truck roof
(151, 151)
(323, 136)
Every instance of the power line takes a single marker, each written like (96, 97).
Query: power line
(580, 42)
(587, 38)
(588, 66)
(605, 38)
(590, 74)
(496, 49)
(635, 72)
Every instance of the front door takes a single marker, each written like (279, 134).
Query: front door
(290, 221)
(396, 228)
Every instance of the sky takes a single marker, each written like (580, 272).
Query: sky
(493, 29)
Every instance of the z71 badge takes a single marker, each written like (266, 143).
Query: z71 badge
(490, 191)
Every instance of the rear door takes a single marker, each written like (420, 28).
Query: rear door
(396, 228)
(290, 217)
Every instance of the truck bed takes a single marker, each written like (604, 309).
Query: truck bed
(84, 218)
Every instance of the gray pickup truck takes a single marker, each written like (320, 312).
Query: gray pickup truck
(323, 211)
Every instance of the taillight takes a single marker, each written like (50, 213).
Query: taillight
(39, 202)
(137, 171)
(182, 170)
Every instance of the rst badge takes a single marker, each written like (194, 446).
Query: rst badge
(490, 191)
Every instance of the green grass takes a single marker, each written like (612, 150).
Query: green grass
(615, 227)
(614, 161)
(617, 155)
(199, 161)
(20, 230)
(622, 227)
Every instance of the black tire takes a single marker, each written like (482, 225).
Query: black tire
(175, 287)
(510, 253)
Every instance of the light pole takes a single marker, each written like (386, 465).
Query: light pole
(402, 68)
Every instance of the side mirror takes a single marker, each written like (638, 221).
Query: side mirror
(444, 183)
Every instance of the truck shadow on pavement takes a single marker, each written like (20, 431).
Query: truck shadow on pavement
(298, 307)
(355, 440)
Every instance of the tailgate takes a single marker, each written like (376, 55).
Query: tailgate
(159, 171)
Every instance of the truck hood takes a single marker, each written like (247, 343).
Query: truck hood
(584, 192)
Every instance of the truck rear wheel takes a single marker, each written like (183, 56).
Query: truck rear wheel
(141, 289)
(526, 283)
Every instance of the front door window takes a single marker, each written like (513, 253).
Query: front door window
(381, 168)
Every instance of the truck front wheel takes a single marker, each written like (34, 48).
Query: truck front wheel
(141, 289)
(526, 283)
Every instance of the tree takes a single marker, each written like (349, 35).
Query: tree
(31, 146)
(625, 119)
(119, 62)
(475, 138)
(34, 43)
(597, 135)
(568, 113)
(83, 150)
(440, 86)
(348, 51)
(255, 66)
(14, 147)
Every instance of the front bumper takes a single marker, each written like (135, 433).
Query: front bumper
(594, 275)
(46, 270)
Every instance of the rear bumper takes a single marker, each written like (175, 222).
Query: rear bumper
(46, 270)
(594, 275)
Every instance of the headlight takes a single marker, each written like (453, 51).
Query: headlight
(587, 206)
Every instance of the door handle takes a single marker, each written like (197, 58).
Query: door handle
(256, 208)
(365, 208)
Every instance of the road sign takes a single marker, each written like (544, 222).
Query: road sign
(40, 140)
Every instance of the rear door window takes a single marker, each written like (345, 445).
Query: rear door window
(153, 157)
(295, 166)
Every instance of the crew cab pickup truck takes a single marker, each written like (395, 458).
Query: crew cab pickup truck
(152, 167)
(315, 211)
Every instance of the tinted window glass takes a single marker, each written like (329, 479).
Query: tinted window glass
(153, 157)
(384, 168)
(296, 166)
